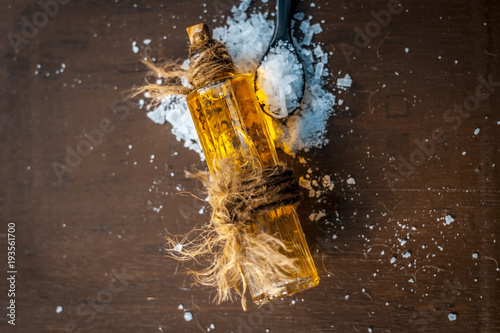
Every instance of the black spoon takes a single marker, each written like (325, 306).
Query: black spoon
(281, 40)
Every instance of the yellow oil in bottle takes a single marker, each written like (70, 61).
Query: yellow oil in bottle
(230, 124)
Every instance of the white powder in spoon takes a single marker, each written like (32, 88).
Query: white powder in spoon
(280, 81)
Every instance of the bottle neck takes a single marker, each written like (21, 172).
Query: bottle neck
(209, 59)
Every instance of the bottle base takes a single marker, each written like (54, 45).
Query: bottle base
(288, 288)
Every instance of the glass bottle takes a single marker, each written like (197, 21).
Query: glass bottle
(230, 124)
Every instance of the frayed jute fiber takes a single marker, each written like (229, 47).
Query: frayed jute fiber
(208, 60)
(225, 245)
(231, 254)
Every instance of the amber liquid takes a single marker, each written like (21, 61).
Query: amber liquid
(230, 124)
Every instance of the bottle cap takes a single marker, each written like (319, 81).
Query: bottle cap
(198, 33)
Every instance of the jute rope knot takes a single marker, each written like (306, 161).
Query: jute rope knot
(209, 60)
(265, 190)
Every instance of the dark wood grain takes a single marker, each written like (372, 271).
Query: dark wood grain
(95, 237)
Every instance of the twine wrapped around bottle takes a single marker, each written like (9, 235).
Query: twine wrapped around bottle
(236, 198)
(208, 58)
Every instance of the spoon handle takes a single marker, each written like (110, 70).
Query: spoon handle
(282, 20)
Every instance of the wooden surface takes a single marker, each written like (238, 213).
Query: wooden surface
(92, 242)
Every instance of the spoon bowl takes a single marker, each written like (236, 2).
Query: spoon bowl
(280, 78)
